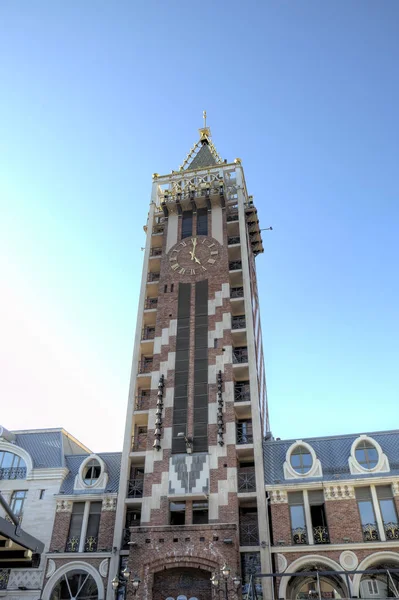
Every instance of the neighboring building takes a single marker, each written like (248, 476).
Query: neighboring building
(65, 497)
(334, 505)
(192, 485)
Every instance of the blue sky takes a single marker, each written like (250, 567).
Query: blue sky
(96, 96)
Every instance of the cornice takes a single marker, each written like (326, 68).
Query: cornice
(317, 548)
(291, 485)
(45, 473)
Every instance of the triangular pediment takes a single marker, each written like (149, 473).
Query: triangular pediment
(203, 154)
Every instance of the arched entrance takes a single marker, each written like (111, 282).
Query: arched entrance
(378, 585)
(310, 583)
(75, 585)
(182, 583)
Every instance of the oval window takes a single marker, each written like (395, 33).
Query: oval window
(301, 460)
(366, 455)
(91, 472)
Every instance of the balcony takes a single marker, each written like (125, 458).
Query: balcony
(391, 530)
(158, 229)
(13, 473)
(321, 535)
(370, 532)
(299, 535)
(233, 240)
(142, 402)
(236, 292)
(135, 488)
(72, 544)
(238, 322)
(151, 303)
(145, 366)
(235, 265)
(244, 433)
(249, 531)
(91, 544)
(232, 215)
(148, 333)
(246, 481)
(153, 277)
(157, 251)
(242, 391)
(240, 356)
(139, 440)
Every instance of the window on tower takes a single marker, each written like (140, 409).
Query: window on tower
(202, 221)
(187, 224)
(177, 513)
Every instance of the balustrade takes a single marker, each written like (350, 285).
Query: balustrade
(139, 442)
(321, 535)
(233, 239)
(370, 532)
(237, 292)
(249, 533)
(240, 355)
(91, 544)
(238, 322)
(232, 215)
(246, 481)
(244, 434)
(148, 333)
(142, 402)
(391, 530)
(242, 392)
(235, 265)
(13, 473)
(153, 277)
(150, 303)
(158, 229)
(157, 251)
(145, 366)
(299, 535)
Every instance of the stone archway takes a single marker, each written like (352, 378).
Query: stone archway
(331, 586)
(88, 582)
(183, 583)
(379, 584)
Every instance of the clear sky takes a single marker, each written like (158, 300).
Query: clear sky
(97, 95)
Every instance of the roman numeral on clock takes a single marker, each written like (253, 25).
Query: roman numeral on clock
(175, 266)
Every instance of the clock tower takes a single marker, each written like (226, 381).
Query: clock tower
(192, 494)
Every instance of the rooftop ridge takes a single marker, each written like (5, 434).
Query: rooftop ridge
(331, 437)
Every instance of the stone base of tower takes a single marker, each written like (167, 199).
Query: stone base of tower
(174, 561)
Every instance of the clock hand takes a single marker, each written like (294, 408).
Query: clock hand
(196, 260)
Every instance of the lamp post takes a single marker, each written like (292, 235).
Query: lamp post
(119, 583)
(220, 581)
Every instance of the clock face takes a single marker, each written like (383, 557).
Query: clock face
(194, 256)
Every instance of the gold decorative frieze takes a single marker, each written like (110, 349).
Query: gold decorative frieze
(278, 497)
(339, 492)
(64, 506)
(109, 504)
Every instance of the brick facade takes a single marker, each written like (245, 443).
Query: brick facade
(60, 531)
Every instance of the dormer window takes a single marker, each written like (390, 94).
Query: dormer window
(92, 472)
(366, 455)
(301, 460)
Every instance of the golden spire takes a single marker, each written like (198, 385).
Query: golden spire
(204, 132)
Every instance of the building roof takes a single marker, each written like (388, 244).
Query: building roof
(333, 453)
(204, 158)
(47, 447)
(112, 462)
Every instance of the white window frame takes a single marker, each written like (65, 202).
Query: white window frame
(314, 471)
(355, 467)
(85, 522)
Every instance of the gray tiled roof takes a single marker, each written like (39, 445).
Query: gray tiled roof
(333, 453)
(204, 158)
(45, 448)
(112, 462)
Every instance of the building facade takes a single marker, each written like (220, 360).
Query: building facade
(334, 505)
(192, 488)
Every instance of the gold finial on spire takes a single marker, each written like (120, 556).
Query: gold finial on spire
(205, 132)
(204, 116)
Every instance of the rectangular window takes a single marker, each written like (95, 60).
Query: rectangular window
(177, 513)
(297, 514)
(367, 515)
(187, 224)
(202, 221)
(75, 527)
(17, 502)
(93, 526)
(200, 513)
(318, 516)
(388, 511)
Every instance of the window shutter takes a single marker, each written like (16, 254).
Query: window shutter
(295, 498)
(363, 493)
(316, 497)
(384, 492)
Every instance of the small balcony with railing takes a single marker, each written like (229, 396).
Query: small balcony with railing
(135, 488)
(237, 299)
(370, 532)
(321, 534)
(235, 273)
(142, 400)
(153, 281)
(238, 329)
(13, 473)
(147, 339)
(155, 258)
(299, 535)
(240, 363)
(233, 240)
(158, 229)
(151, 303)
(139, 439)
(249, 528)
(133, 519)
(246, 481)
(144, 368)
(391, 530)
(242, 399)
(244, 439)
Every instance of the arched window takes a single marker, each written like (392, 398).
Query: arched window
(12, 466)
(366, 454)
(92, 472)
(301, 459)
(75, 585)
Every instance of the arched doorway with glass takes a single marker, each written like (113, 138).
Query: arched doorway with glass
(74, 581)
(383, 579)
(182, 583)
(313, 580)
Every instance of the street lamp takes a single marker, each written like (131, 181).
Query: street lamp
(119, 583)
(220, 580)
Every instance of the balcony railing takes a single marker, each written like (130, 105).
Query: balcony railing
(320, 535)
(391, 530)
(247, 481)
(142, 403)
(233, 239)
(235, 265)
(242, 392)
(150, 303)
(237, 292)
(148, 333)
(244, 434)
(158, 229)
(145, 366)
(232, 215)
(13, 473)
(135, 488)
(240, 355)
(156, 251)
(139, 442)
(238, 322)
(153, 277)
(370, 532)
(72, 544)
(91, 543)
(299, 535)
(249, 533)
(4, 576)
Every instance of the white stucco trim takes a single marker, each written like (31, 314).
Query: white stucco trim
(289, 471)
(368, 562)
(101, 482)
(306, 560)
(70, 566)
(381, 467)
(13, 449)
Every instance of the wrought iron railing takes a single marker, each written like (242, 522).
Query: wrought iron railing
(249, 534)
(244, 435)
(233, 239)
(142, 402)
(158, 229)
(91, 543)
(240, 355)
(299, 535)
(13, 473)
(391, 530)
(145, 366)
(125, 538)
(151, 277)
(72, 544)
(246, 482)
(135, 488)
(4, 576)
(238, 322)
(237, 292)
(320, 535)
(139, 442)
(148, 333)
(150, 303)
(232, 215)
(242, 392)
(157, 251)
(235, 265)
(370, 532)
